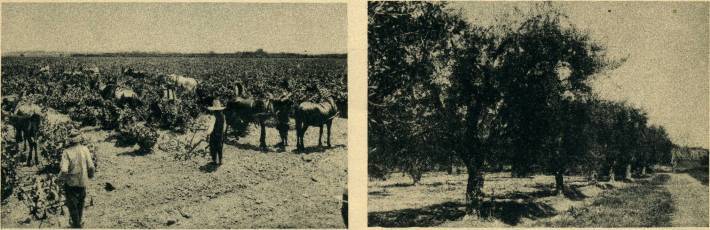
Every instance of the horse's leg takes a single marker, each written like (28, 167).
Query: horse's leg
(28, 148)
(284, 128)
(33, 149)
(304, 128)
(320, 135)
(285, 136)
(281, 143)
(262, 137)
(18, 138)
(329, 125)
(298, 134)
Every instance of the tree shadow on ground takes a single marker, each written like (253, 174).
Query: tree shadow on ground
(417, 217)
(572, 192)
(209, 167)
(659, 179)
(134, 153)
(541, 191)
(700, 174)
(509, 212)
(378, 193)
(398, 185)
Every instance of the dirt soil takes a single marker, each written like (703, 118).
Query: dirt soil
(690, 199)
(252, 189)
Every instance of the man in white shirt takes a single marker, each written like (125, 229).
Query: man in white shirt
(76, 168)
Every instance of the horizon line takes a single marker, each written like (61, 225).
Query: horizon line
(173, 52)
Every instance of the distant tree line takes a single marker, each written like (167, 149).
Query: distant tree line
(256, 54)
(516, 94)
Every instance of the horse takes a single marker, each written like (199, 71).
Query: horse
(187, 83)
(314, 114)
(27, 118)
(122, 95)
(244, 109)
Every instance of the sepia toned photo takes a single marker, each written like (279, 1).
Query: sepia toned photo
(174, 115)
(538, 114)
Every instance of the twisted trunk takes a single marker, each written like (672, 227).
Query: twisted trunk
(559, 183)
(474, 189)
(628, 172)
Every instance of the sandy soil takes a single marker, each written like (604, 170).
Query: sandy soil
(690, 199)
(252, 189)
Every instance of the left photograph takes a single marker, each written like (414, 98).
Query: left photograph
(174, 115)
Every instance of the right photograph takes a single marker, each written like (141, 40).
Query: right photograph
(538, 114)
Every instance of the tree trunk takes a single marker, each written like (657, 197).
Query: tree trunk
(643, 171)
(450, 166)
(611, 175)
(474, 193)
(559, 183)
(628, 172)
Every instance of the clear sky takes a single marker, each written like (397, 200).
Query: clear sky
(174, 27)
(667, 44)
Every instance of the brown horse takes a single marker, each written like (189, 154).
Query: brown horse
(26, 119)
(314, 114)
(245, 109)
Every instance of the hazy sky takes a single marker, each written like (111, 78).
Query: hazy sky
(174, 27)
(667, 44)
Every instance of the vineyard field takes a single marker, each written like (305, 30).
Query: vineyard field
(164, 185)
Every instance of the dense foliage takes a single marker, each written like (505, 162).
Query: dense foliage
(138, 134)
(70, 87)
(9, 161)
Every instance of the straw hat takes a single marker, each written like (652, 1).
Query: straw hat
(75, 136)
(216, 105)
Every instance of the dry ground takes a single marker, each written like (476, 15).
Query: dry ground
(690, 197)
(252, 189)
(522, 202)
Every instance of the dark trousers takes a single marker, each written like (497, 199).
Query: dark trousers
(216, 145)
(283, 132)
(344, 213)
(75, 203)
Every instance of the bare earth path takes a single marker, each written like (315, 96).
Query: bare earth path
(690, 199)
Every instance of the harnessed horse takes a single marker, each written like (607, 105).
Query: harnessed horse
(314, 114)
(244, 109)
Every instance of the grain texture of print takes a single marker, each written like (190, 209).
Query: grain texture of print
(538, 114)
(174, 115)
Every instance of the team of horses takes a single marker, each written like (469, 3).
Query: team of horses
(245, 109)
(240, 111)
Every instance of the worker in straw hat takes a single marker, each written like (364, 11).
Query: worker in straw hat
(216, 129)
(76, 167)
